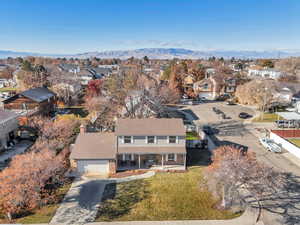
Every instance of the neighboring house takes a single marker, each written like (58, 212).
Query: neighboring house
(8, 127)
(39, 100)
(214, 86)
(3, 67)
(157, 144)
(188, 82)
(71, 68)
(206, 88)
(265, 73)
(114, 67)
(99, 72)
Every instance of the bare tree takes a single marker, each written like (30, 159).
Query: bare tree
(237, 174)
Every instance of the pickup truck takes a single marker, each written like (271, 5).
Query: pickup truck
(270, 145)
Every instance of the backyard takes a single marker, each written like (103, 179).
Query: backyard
(166, 196)
(191, 136)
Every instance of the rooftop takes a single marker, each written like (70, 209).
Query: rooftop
(39, 94)
(94, 146)
(150, 126)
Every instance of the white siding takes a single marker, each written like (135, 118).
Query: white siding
(89, 166)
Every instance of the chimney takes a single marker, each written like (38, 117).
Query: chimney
(82, 129)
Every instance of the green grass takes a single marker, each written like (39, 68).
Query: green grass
(166, 196)
(45, 213)
(267, 118)
(6, 89)
(192, 136)
(295, 141)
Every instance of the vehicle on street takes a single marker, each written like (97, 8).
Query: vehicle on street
(230, 103)
(244, 115)
(270, 145)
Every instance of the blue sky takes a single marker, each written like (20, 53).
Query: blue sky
(74, 26)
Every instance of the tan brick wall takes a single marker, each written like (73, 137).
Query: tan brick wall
(112, 166)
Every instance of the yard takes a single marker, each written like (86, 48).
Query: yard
(7, 89)
(191, 136)
(267, 118)
(166, 196)
(295, 141)
(43, 214)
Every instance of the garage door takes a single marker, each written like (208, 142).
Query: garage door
(207, 95)
(93, 166)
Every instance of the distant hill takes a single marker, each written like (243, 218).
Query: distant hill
(163, 53)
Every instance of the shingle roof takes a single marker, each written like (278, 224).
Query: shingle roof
(152, 149)
(39, 94)
(150, 126)
(94, 146)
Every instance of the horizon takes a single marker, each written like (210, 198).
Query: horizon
(59, 27)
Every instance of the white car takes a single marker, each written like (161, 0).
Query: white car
(270, 145)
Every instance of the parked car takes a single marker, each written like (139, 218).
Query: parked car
(270, 145)
(244, 115)
(230, 103)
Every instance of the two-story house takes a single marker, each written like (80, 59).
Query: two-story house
(157, 144)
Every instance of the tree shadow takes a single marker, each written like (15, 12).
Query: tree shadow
(198, 157)
(285, 203)
(119, 198)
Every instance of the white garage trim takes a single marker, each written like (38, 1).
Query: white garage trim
(93, 166)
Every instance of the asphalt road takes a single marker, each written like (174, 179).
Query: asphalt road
(281, 209)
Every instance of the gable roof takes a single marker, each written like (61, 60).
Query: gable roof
(94, 146)
(39, 94)
(150, 126)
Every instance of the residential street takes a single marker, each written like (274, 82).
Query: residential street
(281, 209)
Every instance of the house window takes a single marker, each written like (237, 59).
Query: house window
(171, 157)
(205, 86)
(150, 139)
(127, 157)
(172, 139)
(128, 139)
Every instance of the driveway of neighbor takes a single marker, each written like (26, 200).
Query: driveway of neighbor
(19, 148)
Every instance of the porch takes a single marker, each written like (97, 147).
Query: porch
(169, 161)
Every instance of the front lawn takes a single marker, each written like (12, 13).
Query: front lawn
(166, 196)
(295, 142)
(267, 118)
(45, 213)
(191, 136)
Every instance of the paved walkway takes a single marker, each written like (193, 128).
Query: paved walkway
(80, 205)
(248, 218)
(15, 150)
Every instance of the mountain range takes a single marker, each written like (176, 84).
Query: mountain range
(163, 53)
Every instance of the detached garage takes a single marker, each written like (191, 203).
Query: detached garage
(94, 154)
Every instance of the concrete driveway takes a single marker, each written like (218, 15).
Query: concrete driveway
(80, 205)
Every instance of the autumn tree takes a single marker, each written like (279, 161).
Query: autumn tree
(23, 184)
(55, 135)
(94, 88)
(234, 174)
(256, 92)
